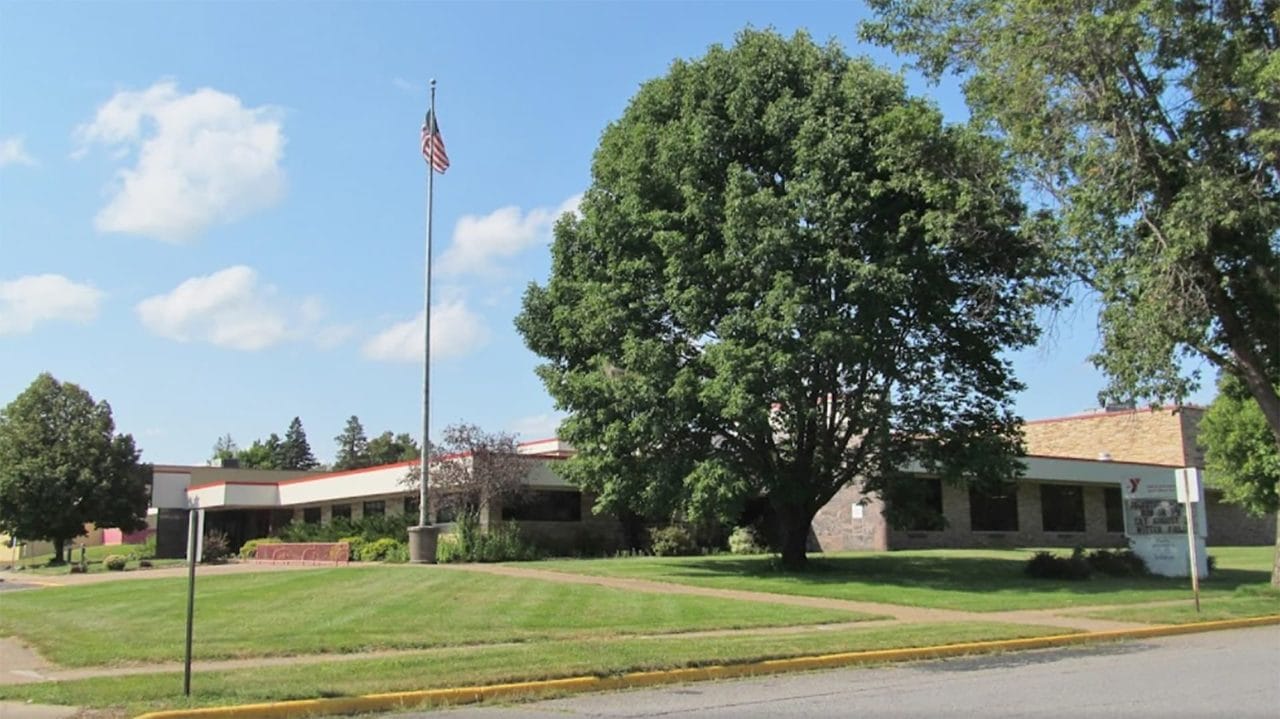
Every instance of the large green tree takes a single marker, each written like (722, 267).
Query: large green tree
(353, 446)
(1152, 128)
(62, 466)
(787, 276)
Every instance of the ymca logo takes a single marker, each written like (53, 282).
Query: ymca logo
(1133, 484)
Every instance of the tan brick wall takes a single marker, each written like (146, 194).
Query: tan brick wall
(1160, 436)
(835, 528)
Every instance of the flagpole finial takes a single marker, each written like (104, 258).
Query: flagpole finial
(433, 82)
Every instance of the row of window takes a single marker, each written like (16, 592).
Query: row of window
(533, 506)
(1061, 508)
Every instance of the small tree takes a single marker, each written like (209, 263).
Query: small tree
(388, 448)
(262, 455)
(353, 446)
(62, 466)
(223, 449)
(472, 469)
(295, 452)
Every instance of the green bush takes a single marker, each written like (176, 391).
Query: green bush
(1046, 565)
(216, 547)
(1120, 563)
(673, 540)
(470, 543)
(355, 544)
(378, 549)
(149, 547)
(115, 562)
(744, 541)
(399, 554)
(249, 549)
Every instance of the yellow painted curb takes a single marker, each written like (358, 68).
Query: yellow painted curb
(573, 685)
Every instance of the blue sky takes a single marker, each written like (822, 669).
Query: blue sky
(212, 214)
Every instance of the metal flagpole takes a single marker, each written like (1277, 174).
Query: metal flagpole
(422, 538)
(426, 311)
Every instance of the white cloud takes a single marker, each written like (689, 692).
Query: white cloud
(406, 85)
(455, 331)
(28, 301)
(233, 308)
(537, 426)
(480, 241)
(13, 151)
(203, 158)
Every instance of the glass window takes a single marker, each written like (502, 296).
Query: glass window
(542, 505)
(995, 510)
(1115, 509)
(311, 515)
(914, 504)
(341, 511)
(1062, 507)
(375, 508)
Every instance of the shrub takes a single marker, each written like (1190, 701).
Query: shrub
(1045, 565)
(744, 541)
(378, 549)
(115, 562)
(399, 554)
(470, 543)
(448, 550)
(673, 540)
(355, 544)
(1120, 563)
(149, 547)
(216, 547)
(249, 549)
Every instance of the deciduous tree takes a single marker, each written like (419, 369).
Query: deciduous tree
(62, 466)
(787, 277)
(388, 448)
(1152, 128)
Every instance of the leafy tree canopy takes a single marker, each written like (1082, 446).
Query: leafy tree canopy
(786, 275)
(1240, 457)
(1153, 129)
(388, 448)
(62, 466)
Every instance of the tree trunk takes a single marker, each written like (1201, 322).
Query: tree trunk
(793, 525)
(58, 555)
(1275, 560)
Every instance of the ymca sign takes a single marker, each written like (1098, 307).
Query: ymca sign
(1155, 522)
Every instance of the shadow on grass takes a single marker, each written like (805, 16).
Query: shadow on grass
(939, 574)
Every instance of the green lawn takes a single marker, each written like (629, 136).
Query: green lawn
(353, 609)
(1248, 601)
(974, 580)
(39, 564)
(484, 665)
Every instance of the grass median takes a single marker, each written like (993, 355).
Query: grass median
(1247, 601)
(979, 580)
(354, 609)
(130, 695)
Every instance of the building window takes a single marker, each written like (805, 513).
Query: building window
(995, 510)
(1115, 509)
(545, 506)
(411, 505)
(915, 505)
(1062, 507)
(376, 508)
(311, 515)
(341, 511)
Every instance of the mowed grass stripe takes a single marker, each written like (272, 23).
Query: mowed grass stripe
(354, 609)
(964, 579)
(488, 665)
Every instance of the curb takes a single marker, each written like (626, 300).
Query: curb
(575, 685)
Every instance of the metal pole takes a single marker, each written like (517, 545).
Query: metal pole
(1195, 559)
(192, 533)
(425, 463)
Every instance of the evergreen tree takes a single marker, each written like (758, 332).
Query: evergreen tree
(295, 452)
(353, 446)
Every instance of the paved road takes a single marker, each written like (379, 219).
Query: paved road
(1217, 674)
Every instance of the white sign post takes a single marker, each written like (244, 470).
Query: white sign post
(1154, 525)
(1191, 491)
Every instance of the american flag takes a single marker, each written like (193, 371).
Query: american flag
(433, 145)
